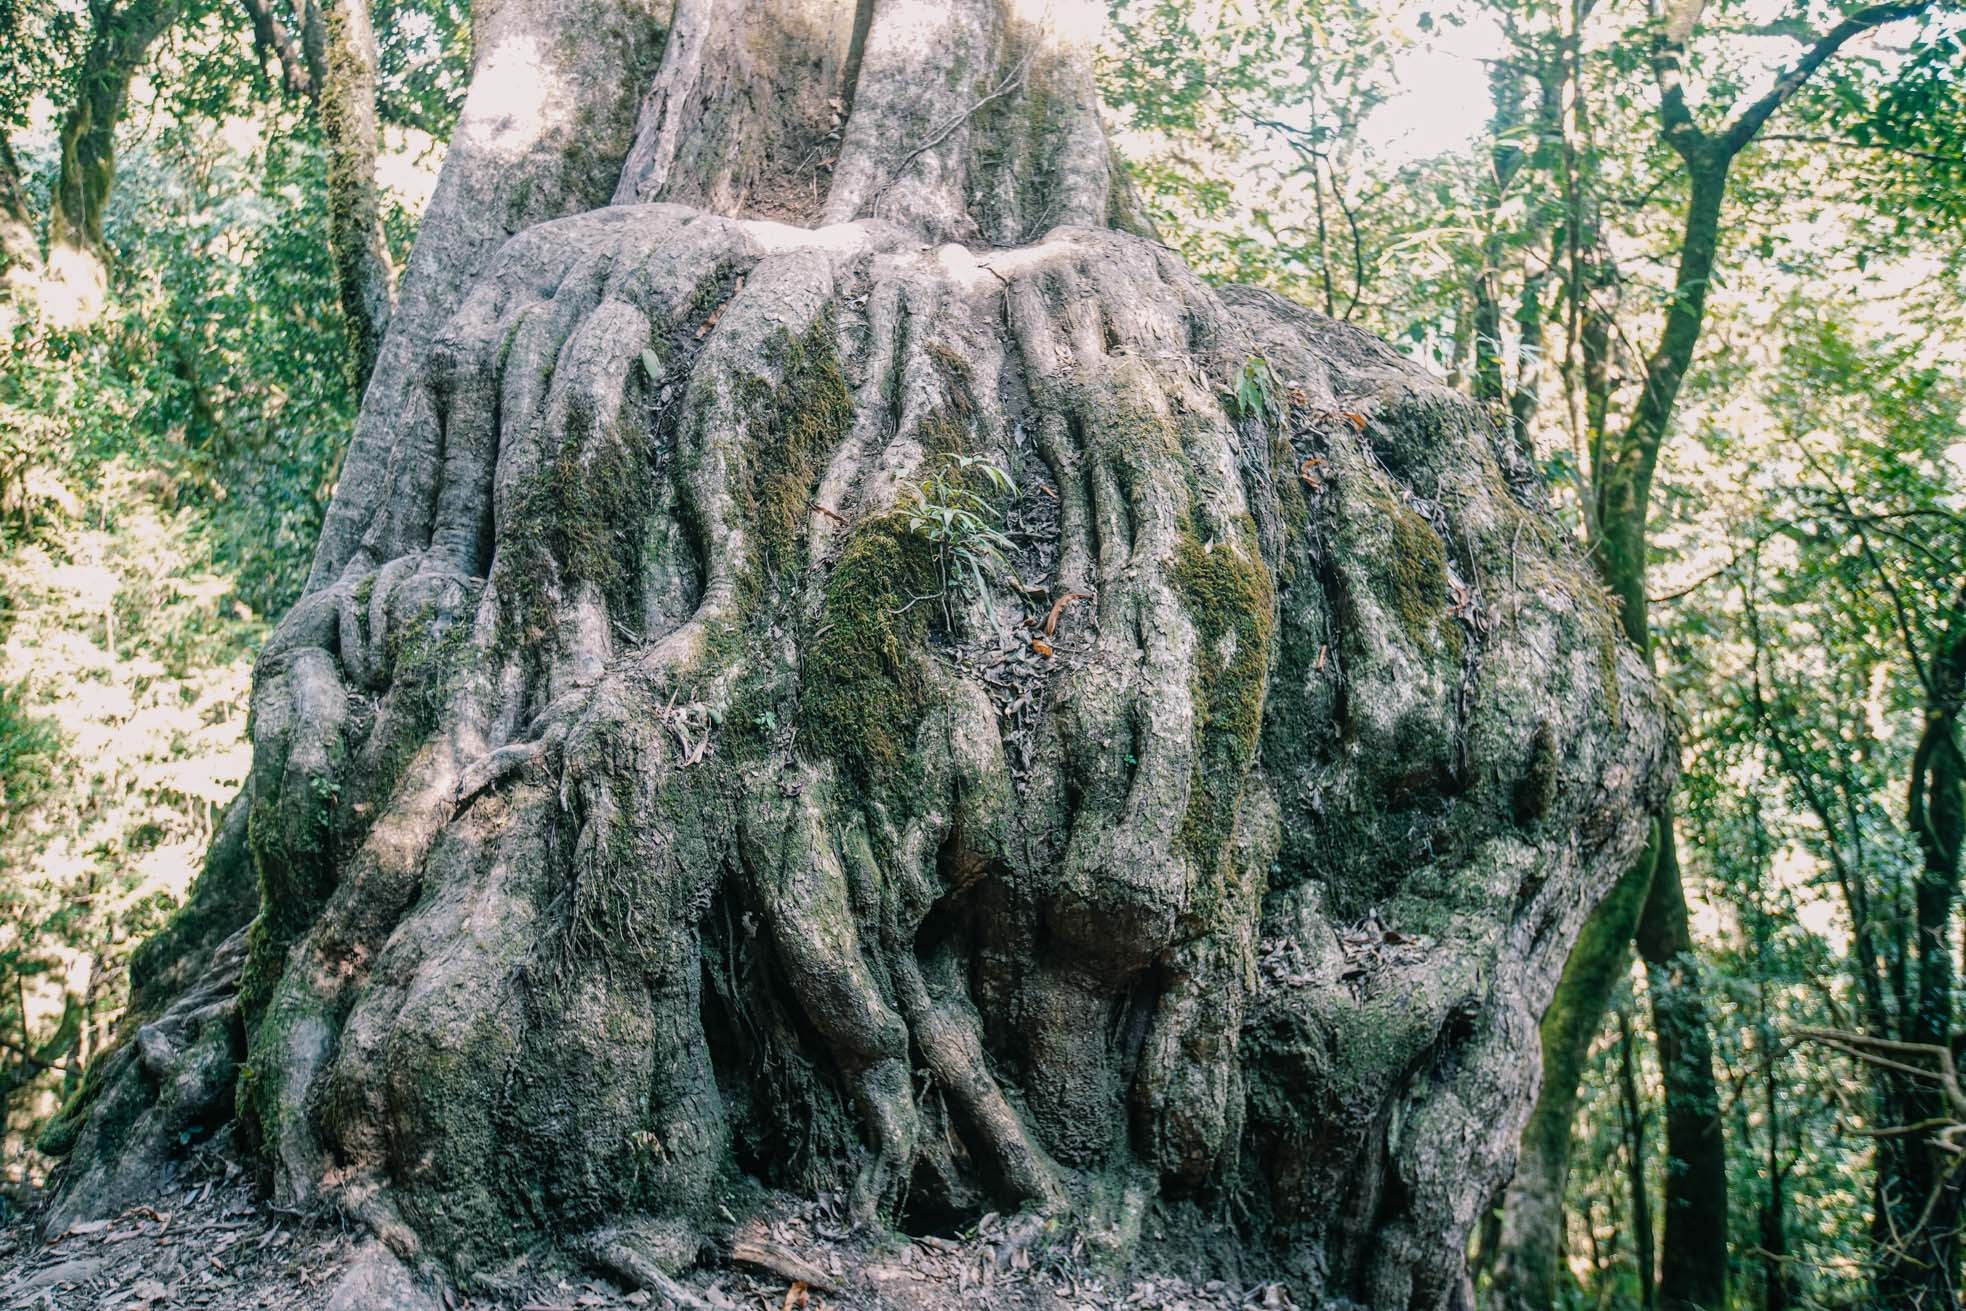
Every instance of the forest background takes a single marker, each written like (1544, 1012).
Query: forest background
(1724, 306)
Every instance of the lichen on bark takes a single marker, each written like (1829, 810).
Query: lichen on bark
(643, 812)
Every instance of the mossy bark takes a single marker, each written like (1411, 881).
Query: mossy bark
(119, 40)
(338, 41)
(1210, 862)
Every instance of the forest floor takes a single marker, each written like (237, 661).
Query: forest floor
(212, 1245)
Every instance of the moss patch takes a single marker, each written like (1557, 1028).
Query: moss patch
(862, 692)
(422, 665)
(579, 519)
(1230, 601)
(1418, 573)
(796, 424)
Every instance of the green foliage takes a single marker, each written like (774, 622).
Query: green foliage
(40, 42)
(957, 509)
(165, 461)
(423, 57)
(1906, 125)
(29, 746)
(1259, 394)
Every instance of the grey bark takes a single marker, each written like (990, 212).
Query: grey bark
(641, 801)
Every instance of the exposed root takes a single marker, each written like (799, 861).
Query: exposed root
(638, 1255)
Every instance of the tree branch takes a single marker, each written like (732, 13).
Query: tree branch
(1681, 131)
(1930, 156)
(269, 33)
(1738, 133)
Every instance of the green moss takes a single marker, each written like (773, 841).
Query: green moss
(1293, 493)
(1020, 159)
(958, 381)
(1607, 671)
(1231, 603)
(942, 435)
(579, 518)
(1535, 792)
(1418, 573)
(861, 689)
(796, 425)
(422, 666)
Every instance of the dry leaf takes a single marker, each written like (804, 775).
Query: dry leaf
(1058, 608)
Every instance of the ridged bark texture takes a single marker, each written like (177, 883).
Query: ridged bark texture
(647, 804)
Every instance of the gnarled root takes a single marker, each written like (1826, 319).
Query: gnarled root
(680, 805)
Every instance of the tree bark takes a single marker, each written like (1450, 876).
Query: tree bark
(1694, 1271)
(645, 796)
(1636, 1183)
(1920, 1193)
(1621, 481)
(1694, 1274)
(339, 45)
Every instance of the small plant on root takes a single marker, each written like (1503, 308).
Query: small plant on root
(957, 508)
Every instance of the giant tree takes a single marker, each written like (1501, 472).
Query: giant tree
(835, 658)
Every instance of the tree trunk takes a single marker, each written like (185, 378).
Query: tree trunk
(1530, 1255)
(1920, 1193)
(663, 782)
(20, 253)
(339, 44)
(1694, 1269)
(1633, 1107)
(120, 40)
(1693, 1276)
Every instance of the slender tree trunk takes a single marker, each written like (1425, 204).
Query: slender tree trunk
(649, 794)
(1920, 1190)
(1527, 397)
(1633, 1104)
(1622, 468)
(1530, 1255)
(339, 44)
(1505, 158)
(1777, 1279)
(1694, 1273)
(1778, 1284)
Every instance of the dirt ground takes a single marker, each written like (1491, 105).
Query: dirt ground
(211, 1244)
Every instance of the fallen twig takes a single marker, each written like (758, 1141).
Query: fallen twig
(784, 1264)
